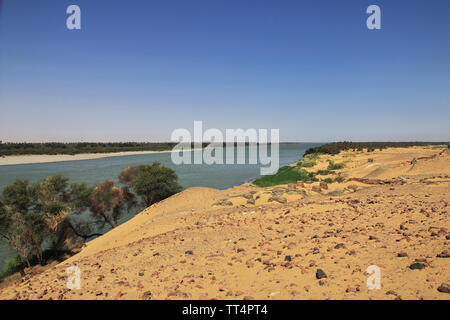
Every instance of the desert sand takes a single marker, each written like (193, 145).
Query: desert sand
(246, 242)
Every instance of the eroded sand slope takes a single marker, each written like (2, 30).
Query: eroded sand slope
(268, 243)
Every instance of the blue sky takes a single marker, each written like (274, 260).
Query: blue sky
(137, 70)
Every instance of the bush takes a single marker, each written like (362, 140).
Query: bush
(152, 182)
(334, 166)
(328, 180)
(284, 175)
(12, 266)
(306, 163)
(323, 172)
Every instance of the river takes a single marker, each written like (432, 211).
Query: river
(98, 170)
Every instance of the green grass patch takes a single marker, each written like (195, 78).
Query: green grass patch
(334, 166)
(305, 163)
(328, 180)
(285, 175)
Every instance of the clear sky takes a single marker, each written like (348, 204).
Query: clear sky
(139, 69)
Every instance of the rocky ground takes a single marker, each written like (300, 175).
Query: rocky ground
(300, 241)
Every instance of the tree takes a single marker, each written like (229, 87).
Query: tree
(107, 202)
(7, 233)
(26, 228)
(152, 182)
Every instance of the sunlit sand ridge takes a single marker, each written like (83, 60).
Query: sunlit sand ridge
(246, 242)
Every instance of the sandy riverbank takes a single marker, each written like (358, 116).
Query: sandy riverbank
(46, 158)
(246, 242)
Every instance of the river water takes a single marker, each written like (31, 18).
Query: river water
(220, 176)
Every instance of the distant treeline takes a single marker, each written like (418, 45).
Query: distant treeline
(336, 147)
(9, 149)
(72, 148)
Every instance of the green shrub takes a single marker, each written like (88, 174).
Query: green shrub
(328, 180)
(284, 175)
(339, 179)
(12, 266)
(323, 172)
(306, 163)
(334, 166)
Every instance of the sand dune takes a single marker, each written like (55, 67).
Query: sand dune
(268, 243)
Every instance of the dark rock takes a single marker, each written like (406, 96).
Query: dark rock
(320, 274)
(189, 252)
(444, 288)
(417, 266)
(339, 246)
(287, 258)
(444, 254)
(402, 254)
(391, 292)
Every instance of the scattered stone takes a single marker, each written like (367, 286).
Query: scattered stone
(288, 258)
(279, 199)
(391, 292)
(324, 185)
(351, 290)
(402, 254)
(339, 246)
(444, 254)
(445, 288)
(223, 202)
(320, 274)
(417, 266)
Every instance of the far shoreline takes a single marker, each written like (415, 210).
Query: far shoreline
(50, 158)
